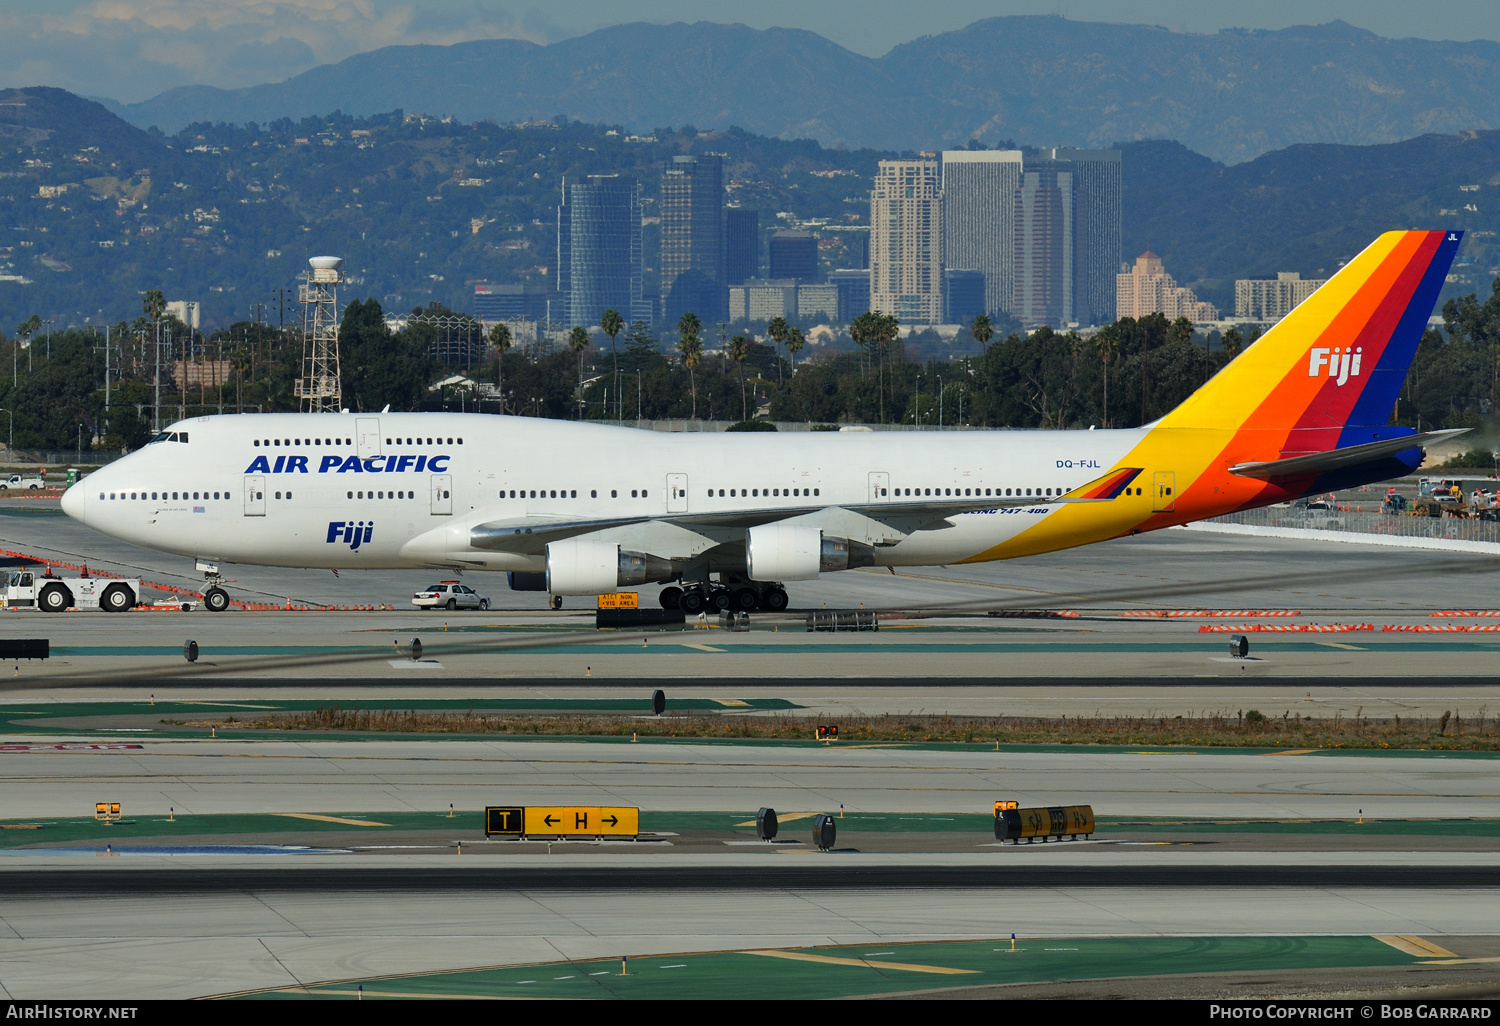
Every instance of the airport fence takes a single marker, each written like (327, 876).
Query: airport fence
(30, 459)
(1449, 528)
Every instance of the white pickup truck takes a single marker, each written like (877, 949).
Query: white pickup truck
(29, 589)
(18, 483)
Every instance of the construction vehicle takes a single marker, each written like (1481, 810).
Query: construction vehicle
(28, 589)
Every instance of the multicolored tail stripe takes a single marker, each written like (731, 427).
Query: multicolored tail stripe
(1325, 377)
(1107, 487)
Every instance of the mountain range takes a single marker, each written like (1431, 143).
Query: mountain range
(1043, 80)
(94, 211)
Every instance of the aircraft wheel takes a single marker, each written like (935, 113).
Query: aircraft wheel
(556, 601)
(671, 598)
(721, 599)
(745, 599)
(775, 600)
(216, 600)
(693, 602)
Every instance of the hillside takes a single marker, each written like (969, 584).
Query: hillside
(98, 211)
(1042, 80)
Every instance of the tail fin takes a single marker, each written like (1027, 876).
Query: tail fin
(1327, 375)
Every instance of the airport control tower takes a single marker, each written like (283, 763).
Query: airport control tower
(319, 390)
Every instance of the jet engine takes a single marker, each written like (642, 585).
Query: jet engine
(789, 552)
(578, 566)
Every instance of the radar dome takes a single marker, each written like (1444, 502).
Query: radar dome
(326, 263)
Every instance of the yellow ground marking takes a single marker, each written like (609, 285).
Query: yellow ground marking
(1293, 751)
(733, 703)
(783, 818)
(330, 819)
(1419, 946)
(805, 956)
(1465, 961)
(700, 648)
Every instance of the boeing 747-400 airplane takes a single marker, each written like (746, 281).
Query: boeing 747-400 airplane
(579, 508)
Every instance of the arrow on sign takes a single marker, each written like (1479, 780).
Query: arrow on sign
(549, 820)
(612, 820)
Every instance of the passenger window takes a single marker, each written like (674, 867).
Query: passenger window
(632, 493)
(643, 493)
(574, 494)
(613, 494)
(351, 495)
(815, 491)
(278, 495)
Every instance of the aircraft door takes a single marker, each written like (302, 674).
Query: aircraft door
(255, 495)
(1164, 484)
(367, 435)
(442, 494)
(677, 493)
(880, 486)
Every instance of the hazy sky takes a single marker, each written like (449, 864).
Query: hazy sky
(132, 49)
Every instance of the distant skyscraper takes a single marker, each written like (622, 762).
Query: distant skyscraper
(854, 292)
(1149, 289)
(1262, 300)
(599, 248)
(963, 295)
(794, 255)
(906, 241)
(692, 238)
(1096, 188)
(1046, 227)
(979, 218)
(741, 245)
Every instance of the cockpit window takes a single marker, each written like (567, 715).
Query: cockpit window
(180, 436)
(164, 436)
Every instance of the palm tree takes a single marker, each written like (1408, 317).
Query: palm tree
(613, 324)
(153, 304)
(778, 331)
(578, 341)
(690, 345)
(794, 344)
(501, 341)
(886, 331)
(982, 331)
(738, 349)
(1231, 341)
(863, 330)
(1107, 342)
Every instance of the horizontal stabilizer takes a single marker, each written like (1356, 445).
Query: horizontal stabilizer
(1337, 459)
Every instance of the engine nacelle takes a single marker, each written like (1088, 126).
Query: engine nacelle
(789, 552)
(578, 566)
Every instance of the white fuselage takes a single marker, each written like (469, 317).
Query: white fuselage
(405, 489)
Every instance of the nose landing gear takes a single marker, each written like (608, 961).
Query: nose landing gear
(215, 598)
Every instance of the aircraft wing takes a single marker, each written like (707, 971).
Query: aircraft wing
(530, 535)
(1338, 459)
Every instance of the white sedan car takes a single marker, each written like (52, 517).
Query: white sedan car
(450, 595)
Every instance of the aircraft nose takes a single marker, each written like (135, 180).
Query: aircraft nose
(73, 502)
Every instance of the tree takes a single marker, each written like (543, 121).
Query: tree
(500, 341)
(778, 331)
(982, 331)
(613, 324)
(153, 304)
(1180, 331)
(578, 341)
(1107, 342)
(378, 368)
(1231, 341)
(794, 344)
(862, 330)
(738, 349)
(690, 345)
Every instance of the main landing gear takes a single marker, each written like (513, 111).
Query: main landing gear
(732, 592)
